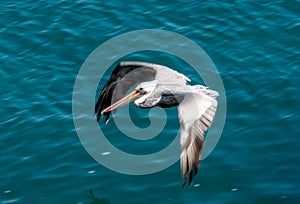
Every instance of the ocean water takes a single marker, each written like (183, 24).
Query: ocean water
(255, 45)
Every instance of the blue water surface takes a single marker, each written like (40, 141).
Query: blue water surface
(254, 44)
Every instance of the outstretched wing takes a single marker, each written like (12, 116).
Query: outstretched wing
(196, 113)
(128, 74)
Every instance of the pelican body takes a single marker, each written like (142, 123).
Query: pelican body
(158, 85)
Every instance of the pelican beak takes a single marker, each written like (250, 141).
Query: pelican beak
(127, 99)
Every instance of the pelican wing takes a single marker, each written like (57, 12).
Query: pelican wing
(196, 113)
(126, 75)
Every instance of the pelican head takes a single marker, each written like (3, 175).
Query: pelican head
(147, 89)
(138, 96)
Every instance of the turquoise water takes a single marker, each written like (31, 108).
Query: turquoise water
(254, 44)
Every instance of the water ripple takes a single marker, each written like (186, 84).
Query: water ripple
(255, 46)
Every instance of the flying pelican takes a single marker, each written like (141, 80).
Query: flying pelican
(159, 85)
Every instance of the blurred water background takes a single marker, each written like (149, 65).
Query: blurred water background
(254, 44)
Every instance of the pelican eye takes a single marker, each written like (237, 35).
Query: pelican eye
(141, 91)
